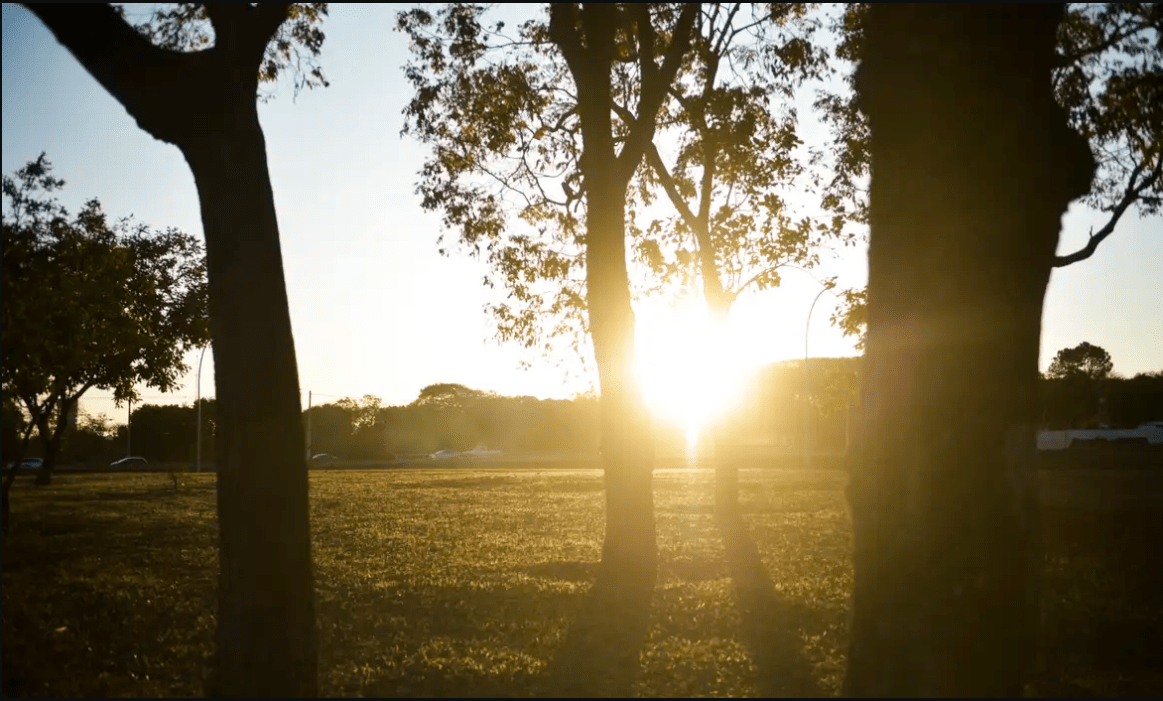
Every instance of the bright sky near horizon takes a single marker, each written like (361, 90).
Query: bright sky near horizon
(374, 307)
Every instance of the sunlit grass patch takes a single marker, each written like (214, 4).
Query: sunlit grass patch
(481, 582)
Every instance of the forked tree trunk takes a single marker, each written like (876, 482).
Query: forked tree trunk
(972, 167)
(630, 550)
(266, 613)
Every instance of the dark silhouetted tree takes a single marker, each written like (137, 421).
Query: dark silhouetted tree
(569, 105)
(191, 79)
(1084, 361)
(973, 164)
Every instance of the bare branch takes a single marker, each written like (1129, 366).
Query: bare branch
(1132, 193)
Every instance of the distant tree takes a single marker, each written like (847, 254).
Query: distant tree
(165, 432)
(92, 440)
(190, 78)
(1084, 361)
(90, 304)
(449, 394)
(331, 429)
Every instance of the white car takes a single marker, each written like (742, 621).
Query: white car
(129, 462)
(480, 452)
(444, 455)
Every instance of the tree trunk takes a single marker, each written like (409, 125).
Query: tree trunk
(203, 102)
(10, 477)
(44, 474)
(52, 444)
(266, 612)
(973, 166)
(630, 551)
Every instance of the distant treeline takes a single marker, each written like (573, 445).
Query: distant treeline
(781, 401)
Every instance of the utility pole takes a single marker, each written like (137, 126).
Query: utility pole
(128, 435)
(198, 402)
(807, 388)
(308, 425)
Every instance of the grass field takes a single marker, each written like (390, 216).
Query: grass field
(479, 583)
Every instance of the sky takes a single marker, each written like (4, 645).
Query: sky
(375, 308)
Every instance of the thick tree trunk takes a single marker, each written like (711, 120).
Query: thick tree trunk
(266, 612)
(204, 103)
(973, 166)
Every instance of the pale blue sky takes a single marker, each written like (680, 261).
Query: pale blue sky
(374, 308)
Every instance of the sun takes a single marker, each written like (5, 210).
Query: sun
(690, 367)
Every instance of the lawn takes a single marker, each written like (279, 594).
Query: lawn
(479, 582)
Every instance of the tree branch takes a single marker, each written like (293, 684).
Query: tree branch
(563, 32)
(1131, 194)
(124, 62)
(655, 86)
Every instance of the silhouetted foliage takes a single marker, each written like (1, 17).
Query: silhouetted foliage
(1082, 362)
(89, 303)
(1109, 78)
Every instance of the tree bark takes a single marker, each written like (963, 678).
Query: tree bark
(972, 167)
(204, 103)
(266, 614)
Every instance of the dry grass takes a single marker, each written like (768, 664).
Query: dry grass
(478, 582)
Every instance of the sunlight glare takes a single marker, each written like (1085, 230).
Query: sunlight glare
(692, 373)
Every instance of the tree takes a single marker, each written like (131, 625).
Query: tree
(736, 150)
(570, 104)
(1083, 361)
(973, 165)
(1108, 75)
(90, 304)
(450, 394)
(190, 78)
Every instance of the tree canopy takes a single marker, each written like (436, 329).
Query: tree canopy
(92, 303)
(1084, 361)
(1108, 77)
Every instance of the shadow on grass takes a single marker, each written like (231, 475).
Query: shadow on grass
(1103, 603)
(771, 623)
(600, 655)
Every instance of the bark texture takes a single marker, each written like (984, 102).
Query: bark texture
(204, 103)
(972, 168)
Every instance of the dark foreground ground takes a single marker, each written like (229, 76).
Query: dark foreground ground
(477, 582)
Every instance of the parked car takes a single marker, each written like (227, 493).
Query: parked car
(28, 464)
(444, 455)
(129, 462)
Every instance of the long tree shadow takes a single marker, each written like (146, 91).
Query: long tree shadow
(601, 652)
(771, 623)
